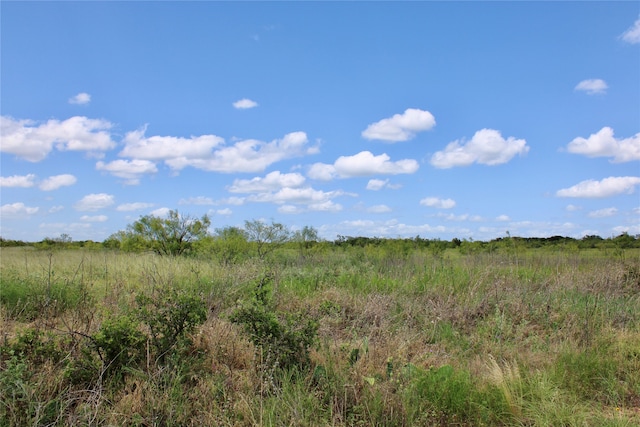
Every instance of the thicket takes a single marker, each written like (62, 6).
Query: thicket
(359, 331)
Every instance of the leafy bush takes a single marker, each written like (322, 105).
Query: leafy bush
(119, 342)
(285, 339)
(170, 314)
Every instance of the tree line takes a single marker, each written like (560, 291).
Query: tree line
(178, 235)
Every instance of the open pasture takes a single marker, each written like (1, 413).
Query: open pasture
(335, 336)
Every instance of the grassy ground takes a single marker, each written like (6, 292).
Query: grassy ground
(340, 337)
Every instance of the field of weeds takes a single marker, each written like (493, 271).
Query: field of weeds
(335, 337)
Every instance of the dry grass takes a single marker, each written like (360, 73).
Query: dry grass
(508, 326)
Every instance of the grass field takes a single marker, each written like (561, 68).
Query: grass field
(337, 336)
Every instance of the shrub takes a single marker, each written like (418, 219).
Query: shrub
(285, 339)
(170, 314)
(119, 343)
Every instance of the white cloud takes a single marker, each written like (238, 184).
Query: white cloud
(80, 99)
(161, 212)
(17, 210)
(629, 229)
(377, 184)
(592, 86)
(23, 181)
(322, 172)
(436, 202)
(168, 147)
(245, 103)
(235, 201)
(487, 147)
(94, 218)
(603, 144)
(362, 164)
(57, 181)
(200, 200)
(573, 208)
(391, 228)
(271, 182)
(290, 209)
(208, 152)
(462, 217)
(607, 187)
(379, 209)
(603, 213)
(400, 127)
(632, 35)
(129, 207)
(503, 218)
(94, 202)
(55, 209)
(224, 212)
(34, 143)
(305, 196)
(130, 170)
(325, 206)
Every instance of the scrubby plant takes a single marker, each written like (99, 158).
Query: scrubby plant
(170, 314)
(119, 343)
(282, 339)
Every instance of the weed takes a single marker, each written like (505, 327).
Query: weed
(170, 314)
(283, 340)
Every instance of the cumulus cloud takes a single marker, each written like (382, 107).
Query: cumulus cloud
(603, 144)
(168, 147)
(607, 187)
(57, 181)
(503, 218)
(209, 153)
(224, 212)
(130, 170)
(161, 212)
(400, 127)
(244, 104)
(17, 210)
(271, 182)
(632, 35)
(304, 196)
(435, 202)
(377, 184)
(592, 86)
(603, 213)
(137, 206)
(80, 99)
(94, 202)
(362, 164)
(34, 142)
(94, 218)
(487, 147)
(22, 181)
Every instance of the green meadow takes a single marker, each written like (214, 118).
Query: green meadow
(357, 332)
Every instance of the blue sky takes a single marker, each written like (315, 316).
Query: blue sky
(457, 119)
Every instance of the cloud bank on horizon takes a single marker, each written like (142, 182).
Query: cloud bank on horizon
(501, 157)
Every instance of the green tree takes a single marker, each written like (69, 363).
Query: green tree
(267, 237)
(173, 235)
(230, 244)
(305, 239)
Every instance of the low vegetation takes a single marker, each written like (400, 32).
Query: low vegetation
(252, 328)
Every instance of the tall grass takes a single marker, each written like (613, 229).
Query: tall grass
(418, 337)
